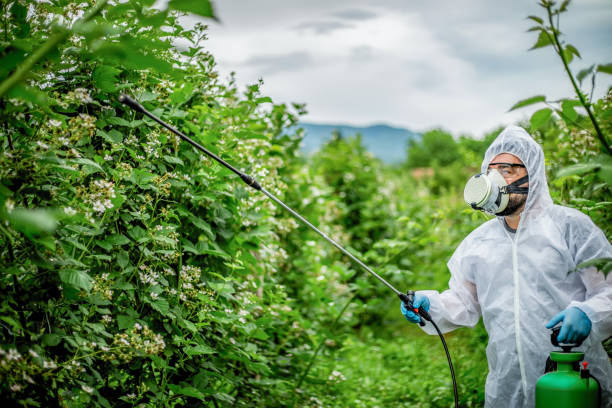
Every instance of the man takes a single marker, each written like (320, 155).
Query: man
(516, 271)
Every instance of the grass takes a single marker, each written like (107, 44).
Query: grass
(400, 366)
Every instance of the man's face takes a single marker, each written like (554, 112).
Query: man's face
(512, 169)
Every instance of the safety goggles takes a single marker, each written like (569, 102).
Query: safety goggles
(506, 169)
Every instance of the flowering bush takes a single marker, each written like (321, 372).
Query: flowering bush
(135, 270)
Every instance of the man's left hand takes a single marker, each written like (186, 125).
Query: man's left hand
(575, 328)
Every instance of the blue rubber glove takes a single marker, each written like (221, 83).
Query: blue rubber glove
(419, 301)
(576, 325)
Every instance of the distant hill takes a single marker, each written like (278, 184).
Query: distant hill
(385, 142)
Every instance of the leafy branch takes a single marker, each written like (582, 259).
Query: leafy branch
(550, 36)
(22, 71)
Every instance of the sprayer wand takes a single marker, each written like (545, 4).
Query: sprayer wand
(250, 181)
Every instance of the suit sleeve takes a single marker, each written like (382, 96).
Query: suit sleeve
(588, 242)
(458, 305)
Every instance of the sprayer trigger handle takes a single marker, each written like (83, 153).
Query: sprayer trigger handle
(408, 298)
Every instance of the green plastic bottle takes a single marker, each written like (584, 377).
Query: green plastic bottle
(565, 387)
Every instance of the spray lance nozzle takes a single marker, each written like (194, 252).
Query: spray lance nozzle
(408, 299)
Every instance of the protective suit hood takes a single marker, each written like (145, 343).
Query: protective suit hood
(517, 141)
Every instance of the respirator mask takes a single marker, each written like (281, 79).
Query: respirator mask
(490, 193)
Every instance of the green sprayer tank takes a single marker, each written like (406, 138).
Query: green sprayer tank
(567, 386)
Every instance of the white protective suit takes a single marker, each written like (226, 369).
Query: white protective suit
(519, 283)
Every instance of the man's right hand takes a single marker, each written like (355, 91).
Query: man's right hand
(419, 301)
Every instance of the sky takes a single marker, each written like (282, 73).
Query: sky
(458, 65)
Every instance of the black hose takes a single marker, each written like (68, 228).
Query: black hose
(450, 363)
(408, 299)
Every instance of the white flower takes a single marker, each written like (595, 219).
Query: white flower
(15, 387)
(54, 123)
(13, 355)
(108, 157)
(337, 376)
(87, 388)
(33, 353)
(49, 364)
(131, 396)
(10, 205)
(154, 295)
(82, 95)
(137, 326)
(69, 211)
(42, 145)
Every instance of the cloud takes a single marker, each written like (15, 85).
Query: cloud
(269, 64)
(355, 14)
(412, 64)
(322, 27)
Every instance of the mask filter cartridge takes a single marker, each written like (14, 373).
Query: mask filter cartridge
(484, 192)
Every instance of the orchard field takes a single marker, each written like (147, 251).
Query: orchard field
(135, 271)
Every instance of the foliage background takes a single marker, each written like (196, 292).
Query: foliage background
(136, 272)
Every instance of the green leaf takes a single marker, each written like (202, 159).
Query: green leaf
(188, 325)
(577, 169)
(117, 239)
(602, 164)
(173, 160)
(265, 99)
(125, 322)
(202, 8)
(128, 55)
(161, 305)
(181, 94)
(543, 40)
(32, 222)
(115, 120)
(603, 265)
(29, 94)
(14, 323)
(564, 5)
(567, 108)
(605, 68)
(112, 136)
(536, 19)
(76, 278)
(123, 258)
(203, 225)
(188, 391)
(540, 118)
(46, 240)
(105, 77)
(89, 166)
(141, 178)
(573, 50)
(583, 73)
(19, 14)
(51, 339)
(568, 56)
(200, 349)
(528, 101)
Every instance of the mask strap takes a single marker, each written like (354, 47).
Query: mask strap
(514, 186)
